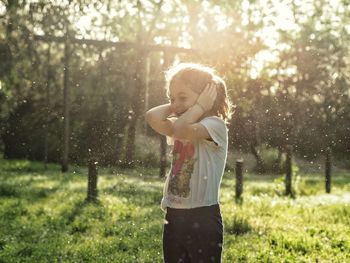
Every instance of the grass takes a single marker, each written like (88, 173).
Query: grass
(44, 217)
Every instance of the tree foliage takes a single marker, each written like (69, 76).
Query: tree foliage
(289, 81)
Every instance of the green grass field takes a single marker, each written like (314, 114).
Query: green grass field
(44, 218)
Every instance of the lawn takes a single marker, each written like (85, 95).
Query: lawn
(44, 218)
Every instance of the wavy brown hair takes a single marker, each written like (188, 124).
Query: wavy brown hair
(196, 77)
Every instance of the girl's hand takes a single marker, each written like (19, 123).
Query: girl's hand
(207, 98)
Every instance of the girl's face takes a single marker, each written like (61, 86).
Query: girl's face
(181, 99)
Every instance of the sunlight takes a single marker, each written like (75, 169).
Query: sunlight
(222, 22)
(312, 201)
(260, 60)
(166, 7)
(91, 26)
(278, 17)
(221, 19)
(84, 24)
(2, 9)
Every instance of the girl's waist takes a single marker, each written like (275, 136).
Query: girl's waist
(202, 210)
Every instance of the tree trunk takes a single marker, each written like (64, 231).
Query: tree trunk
(259, 161)
(66, 107)
(136, 107)
(168, 58)
(46, 130)
(130, 146)
(146, 92)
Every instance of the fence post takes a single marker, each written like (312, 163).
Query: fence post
(328, 170)
(288, 180)
(239, 179)
(92, 182)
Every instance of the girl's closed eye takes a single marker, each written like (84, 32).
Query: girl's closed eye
(183, 98)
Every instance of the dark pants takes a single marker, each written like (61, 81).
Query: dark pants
(193, 235)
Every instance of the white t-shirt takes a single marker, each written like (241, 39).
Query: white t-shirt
(197, 168)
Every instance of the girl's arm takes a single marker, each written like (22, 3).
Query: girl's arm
(186, 126)
(157, 119)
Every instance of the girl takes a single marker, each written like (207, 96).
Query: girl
(194, 122)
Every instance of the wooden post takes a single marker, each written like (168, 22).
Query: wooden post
(65, 153)
(239, 179)
(92, 181)
(168, 58)
(288, 179)
(328, 170)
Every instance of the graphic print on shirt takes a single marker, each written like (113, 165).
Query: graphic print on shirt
(182, 168)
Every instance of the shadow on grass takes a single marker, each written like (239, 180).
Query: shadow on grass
(238, 225)
(28, 192)
(46, 215)
(26, 166)
(140, 195)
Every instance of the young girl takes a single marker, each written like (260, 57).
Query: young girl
(194, 122)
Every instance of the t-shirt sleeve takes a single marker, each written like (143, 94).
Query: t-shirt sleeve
(217, 130)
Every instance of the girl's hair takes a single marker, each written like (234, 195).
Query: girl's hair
(196, 77)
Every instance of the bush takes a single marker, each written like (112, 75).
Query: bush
(274, 161)
(150, 160)
(147, 151)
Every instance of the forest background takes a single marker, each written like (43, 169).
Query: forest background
(67, 89)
